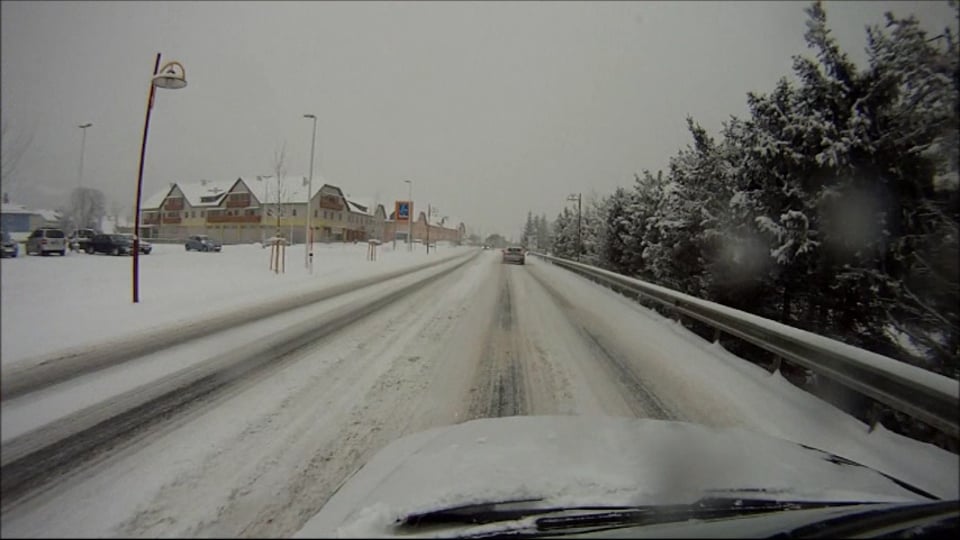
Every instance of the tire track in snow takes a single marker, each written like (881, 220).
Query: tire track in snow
(499, 383)
(642, 402)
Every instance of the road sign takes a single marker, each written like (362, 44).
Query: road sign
(403, 210)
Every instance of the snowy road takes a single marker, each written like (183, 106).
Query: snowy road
(260, 455)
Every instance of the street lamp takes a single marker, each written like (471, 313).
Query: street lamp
(171, 76)
(308, 238)
(577, 198)
(83, 147)
(409, 215)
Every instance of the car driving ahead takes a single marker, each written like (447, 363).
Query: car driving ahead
(514, 255)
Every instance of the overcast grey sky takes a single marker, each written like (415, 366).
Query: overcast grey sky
(491, 108)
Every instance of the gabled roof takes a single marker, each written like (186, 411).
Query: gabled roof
(363, 205)
(155, 200)
(293, 189)
(49, 215)
(437, 220)
(205, 192)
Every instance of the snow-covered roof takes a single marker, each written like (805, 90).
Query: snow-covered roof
(10, 208)
(49, 215)
(362, 205)
(437, 220)
(206, 192)
(293, 189)
(155, 200)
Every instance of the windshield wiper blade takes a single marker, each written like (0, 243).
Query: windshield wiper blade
(553, 518)
(710, 508)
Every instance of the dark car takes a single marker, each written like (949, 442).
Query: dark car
(145, 247)
(10, 248)
(111, 244)
(202, 242)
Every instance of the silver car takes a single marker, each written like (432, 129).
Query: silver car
(47, 240)
(202, 242)
(516, 255)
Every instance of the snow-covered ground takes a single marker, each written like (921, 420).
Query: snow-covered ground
(53, 303)
(261, 457)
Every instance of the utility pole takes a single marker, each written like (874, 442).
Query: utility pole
(578, 197)
(308, 233)
(82, 199)
(409, 214)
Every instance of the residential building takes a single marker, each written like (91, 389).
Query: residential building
(16, 218)
(252, 209)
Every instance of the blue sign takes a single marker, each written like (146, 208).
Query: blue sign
(403, 210)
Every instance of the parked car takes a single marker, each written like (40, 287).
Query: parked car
(514, 255)
(145, 247)
(111, 244)
(46, 240)
(10, 247)
(202, 242)
(81, 238)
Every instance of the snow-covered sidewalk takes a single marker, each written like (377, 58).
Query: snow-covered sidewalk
(54, 303)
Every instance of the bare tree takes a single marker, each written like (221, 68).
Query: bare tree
(279, 156)
(13, 147)
(87, 207)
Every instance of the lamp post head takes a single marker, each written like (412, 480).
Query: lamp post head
(85, 126)
(172, 76)
(310, 116)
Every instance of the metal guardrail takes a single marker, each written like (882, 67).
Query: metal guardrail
(924, 395)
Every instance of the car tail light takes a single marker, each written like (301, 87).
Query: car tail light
(43, 241)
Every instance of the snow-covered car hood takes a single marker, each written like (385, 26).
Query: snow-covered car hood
(566, 461)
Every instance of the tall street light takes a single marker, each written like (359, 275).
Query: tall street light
(172, 77)
(409, 215)
(577, 198)
(83, 147)
(308, 238)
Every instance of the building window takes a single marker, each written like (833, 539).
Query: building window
(294, 212)
(314, 213)
(339, 216)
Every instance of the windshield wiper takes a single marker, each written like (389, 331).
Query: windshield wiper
(554, 518)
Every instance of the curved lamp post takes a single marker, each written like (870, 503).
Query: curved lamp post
(171, 76)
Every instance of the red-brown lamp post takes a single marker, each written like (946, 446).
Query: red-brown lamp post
(172, 77)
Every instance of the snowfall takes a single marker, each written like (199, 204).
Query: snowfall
(419, 346)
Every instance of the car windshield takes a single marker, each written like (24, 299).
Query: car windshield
(403, 261)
